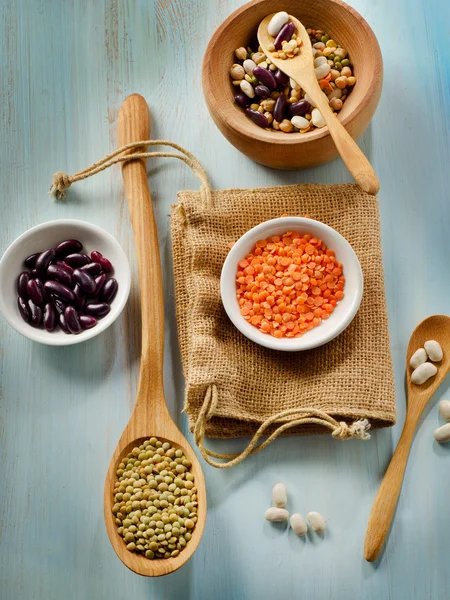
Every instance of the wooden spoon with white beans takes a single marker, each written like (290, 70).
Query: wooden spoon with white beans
(437, 328)
(301, 69)
(150, 416)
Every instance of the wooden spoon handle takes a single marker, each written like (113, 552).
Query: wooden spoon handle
(134, 125)
(385, 503)
(351, 154)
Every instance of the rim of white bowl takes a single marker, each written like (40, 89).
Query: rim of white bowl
(305, 342)
(45, 337)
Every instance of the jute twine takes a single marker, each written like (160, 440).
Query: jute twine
(316, 391)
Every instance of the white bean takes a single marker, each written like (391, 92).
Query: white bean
(277, 515)
(316, 118)
(300, 122)
(277, 22)
(442, 434)
(320, 60)
(317, 521)
(322, 70)
(336, 93)
(444, 409)
(308, 99)
(418, 358)
(423, 373)
(294, 85)
(319, 46)
(249, 65)
(298, 524)
(434, 350)
(279, 495)
(247, 88)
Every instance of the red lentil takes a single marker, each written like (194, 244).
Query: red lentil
(289, 284)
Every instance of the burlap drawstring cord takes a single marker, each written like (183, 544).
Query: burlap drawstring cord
(62, 181)
(340, 430)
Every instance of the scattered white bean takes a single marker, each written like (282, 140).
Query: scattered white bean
(444, 409)
(320, 60)
(294, 85)
(277, 515)
(300, 122)
(423, 373)
(317, 521)
(316, 118)
(279, 495)
(249, 65)
(322, 70)
(434, 350)
(277, 22)
(247, 88)
(442, 434)
(298, 524)
(418, 358)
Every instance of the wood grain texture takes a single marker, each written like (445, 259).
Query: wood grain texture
(296, 150)
(301, 69)
(150, 416)
(436, 327)
(65, 69)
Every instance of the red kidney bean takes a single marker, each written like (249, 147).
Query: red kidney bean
(59, 304)
(281, 77)
(265, 77)
(68, 247)
(92, 268)
(242, 99)
(36, 313)
(23, 309)
(35, 291)
(257, 117)
(262, 91)
(60, 290)
(97, 309)
(30, 261)
(280, 108)
(65, 266)
(59, 273)
(109, 290)
(63, 324)
(104, 262)
(22, 281)
(285, 35)
(299, 108)
(87, 321)
(34, 274)
(72, 320)
(84, 280)
(77, 260)
(80, 298)
(99, 282)
(50, 317)
(43, 260)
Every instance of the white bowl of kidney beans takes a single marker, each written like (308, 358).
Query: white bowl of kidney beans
(63, 282)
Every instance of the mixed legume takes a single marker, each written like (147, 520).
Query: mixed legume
(289, 284)
(65, 287)
(155, 500)
(272, 100)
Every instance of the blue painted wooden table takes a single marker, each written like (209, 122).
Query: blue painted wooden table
(65, 69)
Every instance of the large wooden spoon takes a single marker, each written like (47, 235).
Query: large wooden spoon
(437, 328)
(150, 416)
(301, 69)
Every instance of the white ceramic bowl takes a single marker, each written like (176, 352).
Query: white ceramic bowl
(345, 310)
(45, 236)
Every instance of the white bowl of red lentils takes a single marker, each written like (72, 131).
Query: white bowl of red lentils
(291, 284)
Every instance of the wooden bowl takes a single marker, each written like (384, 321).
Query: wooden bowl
(294, 150)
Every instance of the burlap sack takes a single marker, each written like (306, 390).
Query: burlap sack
(236, 388)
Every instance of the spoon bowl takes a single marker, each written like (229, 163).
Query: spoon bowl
(436, 328)
(301, 69)
(150, 415)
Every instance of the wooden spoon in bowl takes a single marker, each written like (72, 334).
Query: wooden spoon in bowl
(150, 416)
(437, 328)
(301, 69)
